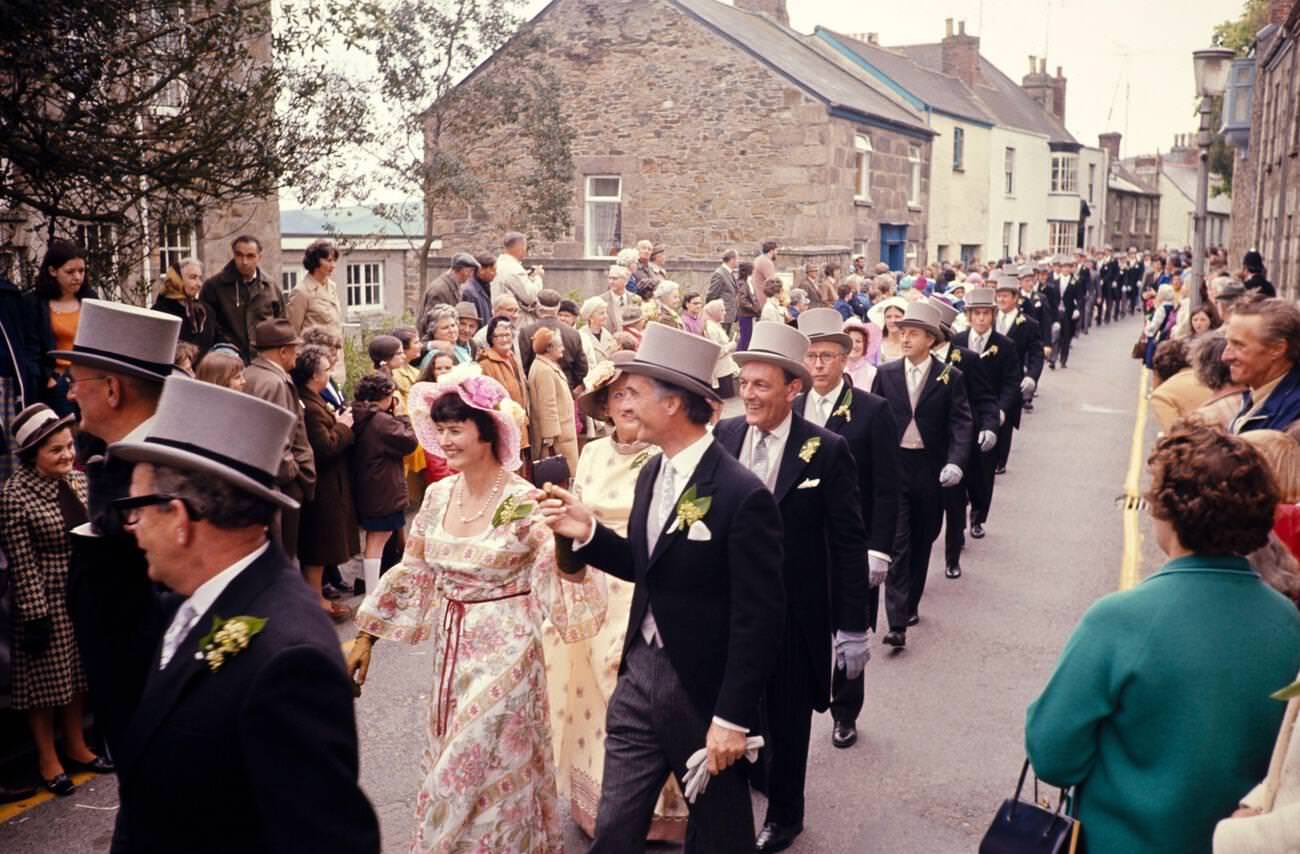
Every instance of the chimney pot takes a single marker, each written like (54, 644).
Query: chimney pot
(961, 28)
(873, 38)
(1033, 63)
(1042, 65)
(1058, 72)
(947, 26)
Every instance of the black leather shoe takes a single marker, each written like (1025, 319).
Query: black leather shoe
(953, 571)
(913, 620)
(61, 785)
(776, 837)
(844, 735)
(1000, 470)
(9, 794)
(977, 530)
(1029, 407)
(894, 638)
(99, 765)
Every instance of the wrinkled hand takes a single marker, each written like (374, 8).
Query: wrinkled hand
(852, 652)
(950, 475)
(566, 516)
(1027, 386)
(37, 634)
(725, 747)
(877, 570)
(987, 440)
(356, 654)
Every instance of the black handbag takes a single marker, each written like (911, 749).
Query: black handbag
(1021, 827)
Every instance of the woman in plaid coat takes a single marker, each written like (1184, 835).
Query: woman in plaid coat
(39, 504)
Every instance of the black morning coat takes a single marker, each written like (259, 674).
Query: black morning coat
(943, 413)
(980, 391)
(1027, 335)
(825, 568)
(719, 601)
(998, 368)
(257, 756)
(868, 426)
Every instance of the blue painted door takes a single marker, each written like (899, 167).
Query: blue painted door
(893, 243)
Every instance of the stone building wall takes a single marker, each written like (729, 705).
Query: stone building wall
(714, 149)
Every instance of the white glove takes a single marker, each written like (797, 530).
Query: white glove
(1002, 418)
(852, 652)
(950, 475)
(1027, 386)
(696, 778)
(987, 439)
(1075, 316)
(877, 570)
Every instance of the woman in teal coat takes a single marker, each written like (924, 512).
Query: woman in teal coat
(1159, 709)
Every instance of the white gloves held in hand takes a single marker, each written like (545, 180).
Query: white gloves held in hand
(1027, 386)
(877, 570)
(696, 778)
(987, 440)
(852, 653)
(950, 475)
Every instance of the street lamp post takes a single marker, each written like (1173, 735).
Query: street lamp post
(1210, 67)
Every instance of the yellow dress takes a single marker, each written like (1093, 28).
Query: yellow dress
(581, 676)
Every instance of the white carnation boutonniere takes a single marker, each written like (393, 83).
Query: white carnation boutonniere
(227, 638)
(809, 449)
(954, 355)
(1020, 318)
(991, 351)
(845, 407)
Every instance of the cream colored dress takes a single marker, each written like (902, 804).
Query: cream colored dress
(581, 676)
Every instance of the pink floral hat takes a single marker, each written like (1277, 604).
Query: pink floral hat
(479, 391)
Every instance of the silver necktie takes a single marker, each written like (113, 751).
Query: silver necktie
(176, 632)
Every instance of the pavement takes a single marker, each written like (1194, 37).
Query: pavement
(941, 736)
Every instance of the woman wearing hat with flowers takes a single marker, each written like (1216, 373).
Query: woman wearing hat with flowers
(478, 578)
(40, 503)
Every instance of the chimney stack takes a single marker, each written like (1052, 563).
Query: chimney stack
(947, 27)
(1058, 95)
(1109, 142)
(1033, 63)
(873, 38)
(960, 54)
(774, 9)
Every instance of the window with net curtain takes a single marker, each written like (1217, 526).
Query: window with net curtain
(862, 167)
(604, 216)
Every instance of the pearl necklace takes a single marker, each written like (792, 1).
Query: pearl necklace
(460, 499)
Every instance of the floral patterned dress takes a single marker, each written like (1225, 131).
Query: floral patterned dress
(489, 772)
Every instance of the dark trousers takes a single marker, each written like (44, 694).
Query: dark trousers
(955, 500)
(847, 695)
(979, 481)
(1085, 317)
(788, 728)
(1003, 450)
(920, 516)
(652, 728)
(746, 331)
(1067, 335)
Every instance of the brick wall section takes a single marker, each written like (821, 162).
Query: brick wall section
(715, 150)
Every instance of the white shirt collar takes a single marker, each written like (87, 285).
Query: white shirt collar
(780, 432)
(832, 396)
(688, 459)
(941, 352)
(140, 432)
(207, 593)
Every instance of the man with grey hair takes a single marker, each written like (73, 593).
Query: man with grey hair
(448, 288)
(722, 285)
(523, 283)
(617, 297)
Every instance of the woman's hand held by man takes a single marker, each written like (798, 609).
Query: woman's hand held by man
(565, 514)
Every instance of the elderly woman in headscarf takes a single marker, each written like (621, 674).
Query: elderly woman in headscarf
(1161, 323)
(179, 297)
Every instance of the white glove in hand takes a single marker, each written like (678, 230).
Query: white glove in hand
(1075, 316)
(852, 653)
(877, 570)
(1002, 418)
(696, 778)
(1027, 386)
(950, 475)
(987, 439)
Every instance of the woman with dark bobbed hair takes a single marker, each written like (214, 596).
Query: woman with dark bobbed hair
(315, 302)
(1159, 709)
(54, 310)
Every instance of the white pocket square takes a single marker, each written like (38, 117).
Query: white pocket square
(699, 532)
(810, 483)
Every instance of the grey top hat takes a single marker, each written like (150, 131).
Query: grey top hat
(980, 298)
(947, 314)
(201, 427)
(124, 339)
(1008, 282)
(922, 315)
(1026, 271)
(781, 345)
(677, 358)
(824, 324)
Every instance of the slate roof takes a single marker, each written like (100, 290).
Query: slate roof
(784, 50)
(356, 221)
(1124, 181)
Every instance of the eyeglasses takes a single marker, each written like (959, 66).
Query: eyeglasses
(822, 358)
(72, 381)
(131, 506)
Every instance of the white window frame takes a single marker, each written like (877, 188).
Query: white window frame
(914, 179)
(1022, 237)
(363, 293)
(1065, 173)
(1092, 180)
(1061, 234)
(1006, 239)
(176, 242)
(861, 247)
(941, 253)
(1009, 172)
(171, 98)
(958, 149)
(862, 151)
(288, 280)
(590, 249)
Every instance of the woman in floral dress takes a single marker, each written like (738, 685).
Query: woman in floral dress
(478, 578)
(581, 676)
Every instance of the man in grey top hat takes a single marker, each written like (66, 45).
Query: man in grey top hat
(119, 359)
(448, 288)
(246, 711)
(704, 547)
(811, 473)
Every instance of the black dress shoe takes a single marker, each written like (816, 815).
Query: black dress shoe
(895, 638)
(844, 735)
(953, 571)
(61, 785)
(776, 837)
(9, 794)
(913, 620)
(99, 765)
(1000, 470)
(977, 530)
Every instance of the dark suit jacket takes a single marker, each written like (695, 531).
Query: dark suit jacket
(1051, 290)
(722, 285)
(259, 755)
(1072, 299)
(999, 370)
(873, 440)
(1110, 278)
(980, 390)
(825, 567)
(943, 413)
(574, 360)
(719, 603)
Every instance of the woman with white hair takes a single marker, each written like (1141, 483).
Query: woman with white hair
(597, 340)
(724, 372)
(1162, 321)
(667, 302)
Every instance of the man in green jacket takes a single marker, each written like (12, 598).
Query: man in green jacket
(241, 296)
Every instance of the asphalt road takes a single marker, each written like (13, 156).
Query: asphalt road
(942, 732)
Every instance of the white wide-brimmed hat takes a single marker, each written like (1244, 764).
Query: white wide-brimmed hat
(876, 314)
(206, 428)
(781, 345)
(124, 339)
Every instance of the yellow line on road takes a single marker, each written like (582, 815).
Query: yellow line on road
(17, 808)
(1131, 567)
